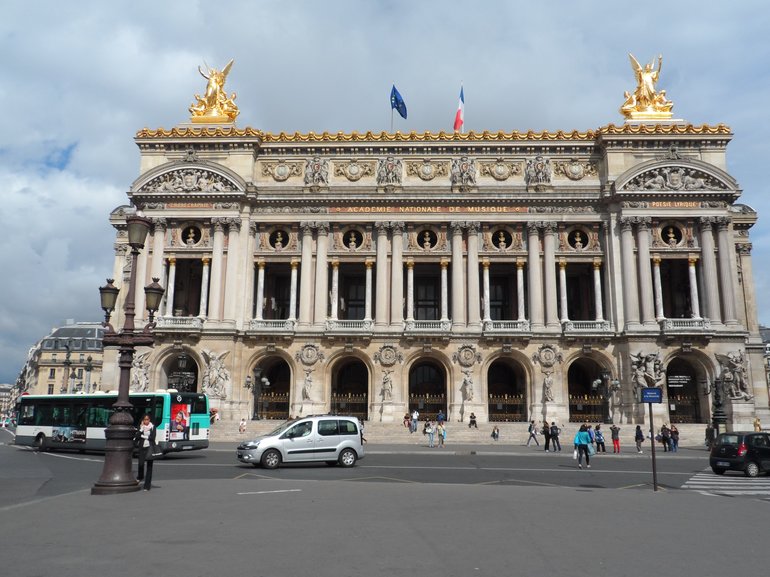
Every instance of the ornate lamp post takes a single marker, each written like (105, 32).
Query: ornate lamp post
(89, 368)
(116, 475)
(256, 386)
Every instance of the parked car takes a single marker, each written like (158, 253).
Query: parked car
(333, 439)
(741, 451)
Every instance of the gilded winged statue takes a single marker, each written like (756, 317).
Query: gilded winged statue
(646, 101)
(215, 105)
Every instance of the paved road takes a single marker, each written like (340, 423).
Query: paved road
(461, 514)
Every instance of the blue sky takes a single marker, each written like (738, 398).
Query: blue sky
(80, 78)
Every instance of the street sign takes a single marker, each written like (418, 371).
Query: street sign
(652, 395)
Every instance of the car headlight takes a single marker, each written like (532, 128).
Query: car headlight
(252, 444)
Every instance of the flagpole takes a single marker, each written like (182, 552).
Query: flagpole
(391, 119)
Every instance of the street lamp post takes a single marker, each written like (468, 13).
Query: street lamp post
(89, 368)
(116, 475)
(256, 386)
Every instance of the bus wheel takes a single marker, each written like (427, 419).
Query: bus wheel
(40, 443)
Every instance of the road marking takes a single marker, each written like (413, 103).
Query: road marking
(72, 457)
(268, 492)
(707, 483)
(43, 500)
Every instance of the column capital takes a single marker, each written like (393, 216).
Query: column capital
(643, 222)
(521, 263)
(206, 260)
(398, 226)
(322, 228)
(409, 263)
(597, 263)
(692, 259)
(656, 259)
(444, 263)
(335, 262)
(485, 262)
(234, 224)
(550, 227)
(457, 227)
(627, 222)
(261, 263)
(160, 224)
(171, 260)
(369, 263)
(744, 248)
(294, 263)
(707, 222)
(723, 222)
(562, 263)
(253, 228)
(382, 227)
(307, 227)
(473, 227)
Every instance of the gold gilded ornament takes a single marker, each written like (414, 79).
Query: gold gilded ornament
(214, 106)
(645, 103)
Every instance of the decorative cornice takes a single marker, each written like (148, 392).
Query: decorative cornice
(298, 137)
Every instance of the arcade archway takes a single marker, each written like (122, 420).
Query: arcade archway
(271, 399)
(507, 391)
(684, 403)
(427, 388)
(181, 373)
(588, 402)
(350, 389)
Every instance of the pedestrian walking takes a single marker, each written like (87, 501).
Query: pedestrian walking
(599, 435)
(638, 438)
(431, 432)
(145, 444)
(757, 425)
(665, 438)
(415, 419)
(242, 426)
(546, 432)
(711, 434)
(532, 430)
(674, 438)
(615, 435)
(591, 433)
(555, 432)
(582, 440)
(440, 417)
(441, 432)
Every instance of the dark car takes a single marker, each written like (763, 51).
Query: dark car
(741, 451)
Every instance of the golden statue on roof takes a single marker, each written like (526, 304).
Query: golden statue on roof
(214, 106)
(645, 103)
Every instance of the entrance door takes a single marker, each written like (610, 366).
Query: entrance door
(427, 389)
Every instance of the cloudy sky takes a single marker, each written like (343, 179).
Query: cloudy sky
(80, 78)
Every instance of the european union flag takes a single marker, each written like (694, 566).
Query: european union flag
(397, 102)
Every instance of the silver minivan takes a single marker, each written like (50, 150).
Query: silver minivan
(333, 439)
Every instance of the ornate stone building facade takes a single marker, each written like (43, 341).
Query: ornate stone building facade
(517, 276)
(514, 275)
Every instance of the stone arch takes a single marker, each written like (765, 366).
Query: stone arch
(588, 387)
(428, 383)
(170, 374)
(507, 379)
(686, 377)
(350, 385)
(234, 181)
(715, 178)
(274, 400)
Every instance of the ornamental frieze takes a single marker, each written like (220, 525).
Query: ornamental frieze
(354, 170)
(189, 180)
(427, 170)
(309, 355)
(295, 209)
(467, 356)
(574, 169)
(674, 178)
(388, 355)
(499, 169)
(538, 171)
(547, 356)
(389, 171)
(281, 171)
(564, 209)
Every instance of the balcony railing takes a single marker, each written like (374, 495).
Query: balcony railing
(669, 325)
(415, 326)
(272, 325)
(347, 325)
(586, 326)
(506, 326)
(179, 324)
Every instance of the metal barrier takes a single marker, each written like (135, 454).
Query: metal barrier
(350, 404)
(507, 408)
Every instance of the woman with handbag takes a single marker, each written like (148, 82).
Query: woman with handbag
(582, 442)
(145, 444)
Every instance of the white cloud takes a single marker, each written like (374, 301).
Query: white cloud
(85, 77)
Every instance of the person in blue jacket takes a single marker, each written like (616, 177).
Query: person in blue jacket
(582, 440)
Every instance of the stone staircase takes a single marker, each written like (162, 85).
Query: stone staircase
(458, 433)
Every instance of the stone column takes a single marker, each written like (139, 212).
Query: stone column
(250, 277)
(306, 276)
(693, 287)
(487, 306)
(381, 298)
(749, 294)
(171, 286)
(233, 261)
(563, 290)
(534, 277)
(630, 294)
(141, 282)
(726, 275)
(368, 302)
(335, 288)
(158, 244)
(474, 302)
(520, 289)
(217, 256)
(321, 273)
(709, 270)
(598, 302)
(409, 290)
(444, 290)
(397, 275)
(260, 304)
(658, 287)
(204, 288)
(293, 291)
(645, 276)
(549, 266)
(458, 292)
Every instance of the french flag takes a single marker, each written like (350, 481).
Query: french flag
(460, 115)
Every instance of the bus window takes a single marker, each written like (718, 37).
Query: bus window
(27, 414)
(80, 416)
(43, 414)
(198, 405)
(62, 415)
(99, 412)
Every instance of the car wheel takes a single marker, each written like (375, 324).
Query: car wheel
(348, 458)
(271, 459)
(752, 469)
(40, 443)
(718, 470)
